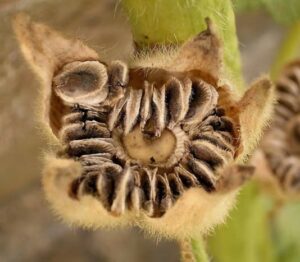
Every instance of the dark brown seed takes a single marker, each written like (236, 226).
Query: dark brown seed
(95, 159)
(207, 153)
(146, 109)
(204, 175)
(115, 115)
(77, 148)
(215, 139)
(159, 110)
(163, 195)
(176, 185)
(137, 196)
(132, 109)
(148, 182)
(117, 75)
(187, 178)
(123, 187)
(203, 99)
(89, 129)
(90, 184)
(175, 102)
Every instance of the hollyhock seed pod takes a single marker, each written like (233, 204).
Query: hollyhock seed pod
(157, 142)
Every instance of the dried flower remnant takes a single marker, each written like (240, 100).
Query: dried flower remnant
(279, 157)
(157, 144)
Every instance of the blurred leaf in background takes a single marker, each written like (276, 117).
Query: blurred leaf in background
(246, 5)
(283, 11)
(252, 234)
(287, 233)
(245, 236)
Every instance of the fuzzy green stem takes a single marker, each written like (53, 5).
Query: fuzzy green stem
(163, 22)
(199, 251)
(288, 51)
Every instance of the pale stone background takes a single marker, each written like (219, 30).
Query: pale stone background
(28, 230)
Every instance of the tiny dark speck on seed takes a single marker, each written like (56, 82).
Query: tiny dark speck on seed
(152, 159)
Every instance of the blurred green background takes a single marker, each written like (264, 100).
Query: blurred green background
(30, 232)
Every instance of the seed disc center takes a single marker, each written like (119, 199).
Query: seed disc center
(147, 150)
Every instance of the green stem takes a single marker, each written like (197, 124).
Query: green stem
(165, 22)
(288, 51)
(199, 251)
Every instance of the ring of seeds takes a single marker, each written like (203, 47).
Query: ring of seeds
(146, 136)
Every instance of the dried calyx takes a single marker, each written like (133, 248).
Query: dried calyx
(140, 137)
(152, 135)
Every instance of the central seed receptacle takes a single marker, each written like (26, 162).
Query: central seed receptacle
(149, 150)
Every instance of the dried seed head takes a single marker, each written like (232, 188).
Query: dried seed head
(281, 144)
(157, 142)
